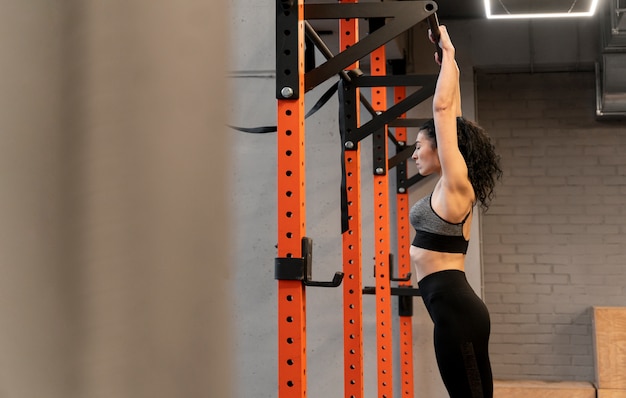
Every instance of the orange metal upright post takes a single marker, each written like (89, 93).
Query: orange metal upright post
(291, 197)
(352, 246)
(382, 236)
(404, 264)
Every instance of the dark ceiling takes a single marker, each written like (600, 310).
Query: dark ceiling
(475, 9)
(452, 9)
(460, 9)
(464, 9)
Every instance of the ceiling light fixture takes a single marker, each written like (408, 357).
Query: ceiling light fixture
(568, 14)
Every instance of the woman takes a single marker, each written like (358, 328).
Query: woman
(464, 158)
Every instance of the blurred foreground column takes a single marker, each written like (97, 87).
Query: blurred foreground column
(114, 226)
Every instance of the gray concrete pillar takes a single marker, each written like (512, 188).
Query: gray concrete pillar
(113, 201)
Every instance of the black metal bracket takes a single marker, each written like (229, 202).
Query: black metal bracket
(405, 297)
(395, 291)
(397, 279)
(405, 293)
(301, 269)
(403, 151)
(379, 152)
(287, 50)
(391, 277)
(401, 178)
(405, 305)
(403, 181)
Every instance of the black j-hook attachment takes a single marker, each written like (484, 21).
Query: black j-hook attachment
(300, 269)
(398, 279)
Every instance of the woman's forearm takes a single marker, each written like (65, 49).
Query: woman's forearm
(447, 96)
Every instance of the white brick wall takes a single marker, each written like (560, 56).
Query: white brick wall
(554, 238)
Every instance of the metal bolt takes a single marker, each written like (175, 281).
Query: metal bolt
(286, 92)
(379, 171)
(286, 4)
(349, 144)
(379, 112)
(401, 190)
(401, 143)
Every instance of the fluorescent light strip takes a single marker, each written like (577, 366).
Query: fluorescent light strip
(592, 10)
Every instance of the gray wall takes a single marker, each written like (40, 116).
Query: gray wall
(504, 46)
(554, 238)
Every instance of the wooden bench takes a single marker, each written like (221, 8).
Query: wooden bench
(609, 342)
(543, 389)
(608, 393)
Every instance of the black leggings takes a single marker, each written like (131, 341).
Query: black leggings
(462, 329)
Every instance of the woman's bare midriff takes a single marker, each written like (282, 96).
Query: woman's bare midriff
(426, 262)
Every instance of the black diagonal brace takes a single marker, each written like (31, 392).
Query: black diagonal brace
(407, 122)
(426, 82)
(401, 156)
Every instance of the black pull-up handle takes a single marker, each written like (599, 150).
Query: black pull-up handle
(433, 25)
(300, 269)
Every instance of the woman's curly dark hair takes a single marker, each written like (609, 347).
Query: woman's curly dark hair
(483, 163)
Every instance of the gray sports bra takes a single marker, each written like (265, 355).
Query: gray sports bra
(433, 232)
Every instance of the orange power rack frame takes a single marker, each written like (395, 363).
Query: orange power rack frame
(291, 208)
(293, 264)
(382, 237)
(352, 246)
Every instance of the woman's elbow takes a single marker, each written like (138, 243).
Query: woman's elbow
(444, 107)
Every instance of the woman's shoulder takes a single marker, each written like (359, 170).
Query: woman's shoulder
(453, 204)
